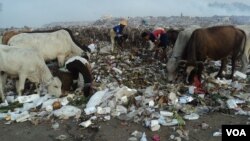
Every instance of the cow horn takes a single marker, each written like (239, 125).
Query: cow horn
(199, 62)
(182, 61)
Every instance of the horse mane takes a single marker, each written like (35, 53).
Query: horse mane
(83, 47)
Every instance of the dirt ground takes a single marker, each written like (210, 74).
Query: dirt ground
(114, 130)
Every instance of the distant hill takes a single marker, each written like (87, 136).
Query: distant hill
(68, 24)
(176, 21)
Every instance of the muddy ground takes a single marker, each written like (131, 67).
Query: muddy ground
(114, 129)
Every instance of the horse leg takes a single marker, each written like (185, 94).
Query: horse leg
(222, 67)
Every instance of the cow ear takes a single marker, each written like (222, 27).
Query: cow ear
(86, 56)
(182, 61)
(189, 69)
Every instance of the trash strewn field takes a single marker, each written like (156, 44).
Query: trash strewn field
(131, 90)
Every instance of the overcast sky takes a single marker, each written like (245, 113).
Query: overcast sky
(36, 13)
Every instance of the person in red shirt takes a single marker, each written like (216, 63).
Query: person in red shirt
(160, 40)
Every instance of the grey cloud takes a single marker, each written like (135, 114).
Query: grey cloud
(235, 6)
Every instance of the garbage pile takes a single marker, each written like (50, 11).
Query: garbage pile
(134, 88)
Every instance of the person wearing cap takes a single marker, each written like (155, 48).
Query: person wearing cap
(116, 33)
(159, 38)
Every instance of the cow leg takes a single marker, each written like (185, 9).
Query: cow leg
(4, 78)
(200, 68)
(244, 61)
(1, 88)
(222, 67)
(112, 38)
(233, 66)
(61, 59)
(21, 83)
(38, 88)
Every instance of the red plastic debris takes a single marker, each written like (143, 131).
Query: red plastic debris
(198, 85)
(156, 138)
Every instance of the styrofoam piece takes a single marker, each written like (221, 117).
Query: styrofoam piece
(4, 104)
(231, 104)
(3, 115)
(192, 116)
(154, 125)
(191, 89)
(86, 123)
(240, 74)
(90, 110)
(96, 99)
(24, 116)
(124, 99)
(149, 91)
(121, 109)
(166, 113)
(151, 103)
(143, 138)
(217, 134)
(108, 117)
(185, 99)
(28, 98)
(102, 111)
(173, 100)
(49, 102)
(10, 99)
(49, 108)
(173, 122)
(67, 111)
(117, 70)
(124, 91)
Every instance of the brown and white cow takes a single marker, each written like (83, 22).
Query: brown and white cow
(215, 43)
(8, 34)
(178, 50)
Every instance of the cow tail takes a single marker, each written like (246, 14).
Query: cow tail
(243, 46)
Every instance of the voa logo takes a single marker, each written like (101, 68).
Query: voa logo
(236, 132)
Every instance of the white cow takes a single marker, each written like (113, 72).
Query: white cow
(178, 49)
(26, 63)
(1, 39)
(52, 45)
(246, 55)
